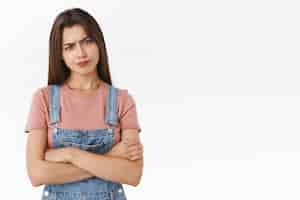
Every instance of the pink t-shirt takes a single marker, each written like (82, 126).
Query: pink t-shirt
(82, 111)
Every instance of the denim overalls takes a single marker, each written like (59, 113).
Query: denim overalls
(97, 141)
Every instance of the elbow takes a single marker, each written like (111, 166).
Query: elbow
(136, 177)
(135, 183)
(35, 183)
(35, 180)
(35, 177)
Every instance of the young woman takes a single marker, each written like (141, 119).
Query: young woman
(84, 133)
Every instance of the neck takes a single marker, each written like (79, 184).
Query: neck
(86, 83)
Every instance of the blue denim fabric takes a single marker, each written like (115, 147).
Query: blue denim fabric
(97, 141)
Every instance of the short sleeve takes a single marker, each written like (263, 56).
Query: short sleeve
(128, 115)
(37, 114)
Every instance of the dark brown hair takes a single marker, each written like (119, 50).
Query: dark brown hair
(58, 71)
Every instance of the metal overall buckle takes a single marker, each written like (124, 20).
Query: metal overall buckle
(54, 127)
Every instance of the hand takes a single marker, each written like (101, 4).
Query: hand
(127, 150)
(59, 154)
(135, 151)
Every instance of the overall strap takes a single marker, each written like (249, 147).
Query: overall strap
(54, 104)
(111, 115)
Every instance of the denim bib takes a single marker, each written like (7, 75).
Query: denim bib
(97, 141)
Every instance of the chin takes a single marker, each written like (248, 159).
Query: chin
(87, 71)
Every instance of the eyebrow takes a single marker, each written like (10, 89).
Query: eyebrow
(71, 43)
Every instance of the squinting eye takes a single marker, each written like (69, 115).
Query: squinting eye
(68, 48)
(88, 40)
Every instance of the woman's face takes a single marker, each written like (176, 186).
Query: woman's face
(77, 48)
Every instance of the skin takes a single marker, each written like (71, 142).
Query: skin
(76, 47)
(123, 164)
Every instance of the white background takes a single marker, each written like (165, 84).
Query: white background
(216, 85)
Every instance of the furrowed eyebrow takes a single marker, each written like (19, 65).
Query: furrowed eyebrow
(71, 43)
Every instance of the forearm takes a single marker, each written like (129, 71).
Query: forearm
(107, 167)
(49, 172)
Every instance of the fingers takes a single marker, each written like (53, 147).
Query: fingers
(135, 151)
(135, 147)
(131, 142)
(136, 155)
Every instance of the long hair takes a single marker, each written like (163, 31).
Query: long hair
(58, 72)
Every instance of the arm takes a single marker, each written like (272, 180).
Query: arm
(110, 168)
(41, 171)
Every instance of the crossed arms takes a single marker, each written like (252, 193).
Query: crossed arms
(123, 164)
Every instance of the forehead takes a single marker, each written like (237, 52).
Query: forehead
(73, 34)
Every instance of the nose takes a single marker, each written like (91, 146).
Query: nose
(80, 51)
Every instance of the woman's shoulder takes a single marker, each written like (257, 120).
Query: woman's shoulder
(41, 94)
(42, 90)
(127, 111)
(123, 93)
(125, 97)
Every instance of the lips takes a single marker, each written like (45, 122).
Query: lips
(83, 63)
